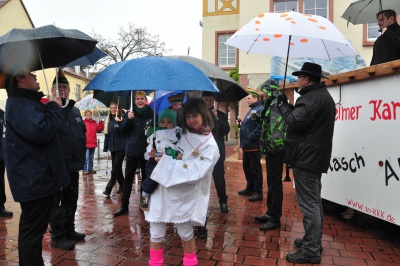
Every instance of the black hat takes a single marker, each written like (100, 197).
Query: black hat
(310, 69)
(209, 93)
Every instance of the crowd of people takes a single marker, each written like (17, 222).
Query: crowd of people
(177, 157)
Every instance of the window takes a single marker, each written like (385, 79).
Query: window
(78, 92)
(372, 32)
(77, 69)
(226, 54)
(313, 7)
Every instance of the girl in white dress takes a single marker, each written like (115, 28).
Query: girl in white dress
(184, 185)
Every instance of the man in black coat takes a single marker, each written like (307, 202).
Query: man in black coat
(387, 46)
(35, 163)
(308, 148)
(73, 139)
(219, 171)
(3, 198)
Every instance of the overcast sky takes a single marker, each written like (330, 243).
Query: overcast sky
(175, 21)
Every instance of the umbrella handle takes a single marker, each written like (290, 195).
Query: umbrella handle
(131, 100)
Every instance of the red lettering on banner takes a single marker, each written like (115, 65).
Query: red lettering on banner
(347, 113)
(385, 111)
(372, 211)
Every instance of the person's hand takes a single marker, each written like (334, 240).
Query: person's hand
(131, 115)
(117, 119)
(179, 156)
(281, 100)
(152, 154)
(105, 150)
(57, 100)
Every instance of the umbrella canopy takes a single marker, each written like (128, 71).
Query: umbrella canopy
(161, 102)
(88, 102)
(88, 60)
(43, 47)
(304, 35)
(364, 11)
(151, 74)
(123, 98)
(230, 91)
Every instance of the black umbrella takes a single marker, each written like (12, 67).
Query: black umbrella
(43, 47)
(123, 98)
(230, 91)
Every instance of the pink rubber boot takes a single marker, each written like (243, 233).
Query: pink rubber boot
(156, 257)
(189, 259)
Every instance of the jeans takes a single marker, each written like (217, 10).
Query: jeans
(274, 163)
(131, 165)
(253, 171)
(89, 159)
(308, 191)
(35, 216)
(117, 159)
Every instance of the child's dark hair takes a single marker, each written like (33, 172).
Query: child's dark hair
(197, 106)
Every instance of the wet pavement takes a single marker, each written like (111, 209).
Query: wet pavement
(233, 238)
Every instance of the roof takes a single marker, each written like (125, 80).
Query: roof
(4, 2)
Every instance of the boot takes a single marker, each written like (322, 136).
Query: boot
(189, 259)
(156, 257)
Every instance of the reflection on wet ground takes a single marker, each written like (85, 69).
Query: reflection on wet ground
(233, 238)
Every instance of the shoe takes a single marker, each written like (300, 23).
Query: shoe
(301, 257)
(245, 192)
(63, 244)
(223, 207)
(120, 190)
(270, 226)
(93, 171)
(85, 172)
(74, 235)
(202, 232)
(120, 211)
(144, 202)
(105, 192)
(5, 213)
(298, 242)
(262, 218)
(256, 197)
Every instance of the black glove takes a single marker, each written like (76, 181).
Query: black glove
(281, 100)
(105, 150)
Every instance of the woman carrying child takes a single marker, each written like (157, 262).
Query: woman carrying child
(183, 192)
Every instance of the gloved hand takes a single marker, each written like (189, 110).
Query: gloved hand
(105, 150)
(171, 152)
(281, 100)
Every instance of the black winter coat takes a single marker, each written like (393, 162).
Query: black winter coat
(250, 129)
(387, 46)
(310, 124)
(223, 130)
(136, 141)
(114, 140)
(1, 132)
(33, 153)
(73, 137)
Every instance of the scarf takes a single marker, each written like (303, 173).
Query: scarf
(203, 130)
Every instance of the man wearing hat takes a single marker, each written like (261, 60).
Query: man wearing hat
(308, 147)
(250, 144)
(175, 101)
(73, 139)
(34, 159)
(223, 129)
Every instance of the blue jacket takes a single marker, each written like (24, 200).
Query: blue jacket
(250, 129)
(73, 137)
(33, 153)
(136, 141)
(114, 140)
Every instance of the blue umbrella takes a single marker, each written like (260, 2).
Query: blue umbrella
(88, 60)
(151, 74)
(160, 100)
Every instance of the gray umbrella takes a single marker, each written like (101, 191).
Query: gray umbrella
(43, 47)
(230, 91)
(364, 11)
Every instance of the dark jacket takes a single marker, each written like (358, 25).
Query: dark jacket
(250, 129)
(387, 46)
(136, 141)
(310, 124)
(223, 130)
(1, 132)
(73, 137)
(114, 140)
(33, 153)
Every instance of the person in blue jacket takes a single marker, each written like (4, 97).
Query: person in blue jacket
(115, 142)
(250, 144)
(133, 125)
(34, 158)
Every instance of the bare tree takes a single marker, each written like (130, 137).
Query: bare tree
(133, 42)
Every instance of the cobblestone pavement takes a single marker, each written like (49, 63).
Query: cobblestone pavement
(233, 238)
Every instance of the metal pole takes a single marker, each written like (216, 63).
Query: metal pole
(98, 149)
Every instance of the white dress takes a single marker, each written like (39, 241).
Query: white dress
(184, 185)
(165, 138)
